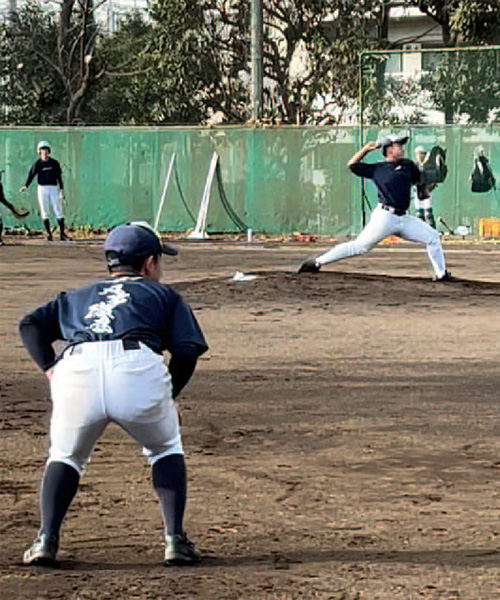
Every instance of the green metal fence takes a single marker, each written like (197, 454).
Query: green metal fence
(277, 180)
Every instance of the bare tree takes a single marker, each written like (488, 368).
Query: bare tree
(77, 64)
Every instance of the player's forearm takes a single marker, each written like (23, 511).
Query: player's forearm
(35, 340)
(29, 179)
(360, 154)
(181, 368)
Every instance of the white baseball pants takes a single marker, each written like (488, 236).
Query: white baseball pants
(96, 383)
(49, 199)
(382, 224)
(423, 204)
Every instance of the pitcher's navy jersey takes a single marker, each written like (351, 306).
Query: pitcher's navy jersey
(125, 307)
(392, 179)
(48, 172)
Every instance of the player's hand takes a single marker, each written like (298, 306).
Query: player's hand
(49, 373)
(23, 189)
(61, 195)
(371, 146)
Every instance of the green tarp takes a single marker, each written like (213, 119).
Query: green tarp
(277, 180)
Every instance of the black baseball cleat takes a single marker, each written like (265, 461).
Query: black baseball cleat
(179, 550)
(49, 237)
(309, 266)
(42, 552)
(446, 277)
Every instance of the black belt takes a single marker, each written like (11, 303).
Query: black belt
(394, 211)
(131, 345)
(127, 345)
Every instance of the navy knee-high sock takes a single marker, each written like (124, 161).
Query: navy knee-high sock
(169, 482)
(59, 486)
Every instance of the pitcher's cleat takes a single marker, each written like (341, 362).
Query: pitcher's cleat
(42, 552)
(179, 550)
(446, 277)
(309, 266)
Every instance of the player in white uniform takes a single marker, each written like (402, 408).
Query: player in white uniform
(50, 188)
(112, 370)
(394, 178)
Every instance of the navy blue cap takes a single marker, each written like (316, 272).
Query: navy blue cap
(135, 240)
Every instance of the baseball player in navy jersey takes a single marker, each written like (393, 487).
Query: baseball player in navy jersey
(393, 178)
(112, 370)
(48, 172)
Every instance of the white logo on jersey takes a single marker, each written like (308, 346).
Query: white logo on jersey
(102, 313)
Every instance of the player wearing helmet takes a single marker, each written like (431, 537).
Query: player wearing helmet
(48, 172)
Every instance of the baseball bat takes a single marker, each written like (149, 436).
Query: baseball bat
(443, 222)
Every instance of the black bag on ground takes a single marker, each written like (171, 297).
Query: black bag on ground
(482, 178)
(435, 168)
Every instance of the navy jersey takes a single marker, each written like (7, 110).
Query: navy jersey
(47, 172)
(125, 307)
(424, 188)
(392, 179)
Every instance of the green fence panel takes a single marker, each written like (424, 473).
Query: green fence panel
(453, 199)
(277, 180)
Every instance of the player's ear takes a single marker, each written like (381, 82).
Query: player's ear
(149, 266)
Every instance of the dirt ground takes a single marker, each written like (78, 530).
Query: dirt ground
(342, 433)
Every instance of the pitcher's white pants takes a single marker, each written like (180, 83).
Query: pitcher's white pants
(101, 382)
(49, 198)
(382, 224)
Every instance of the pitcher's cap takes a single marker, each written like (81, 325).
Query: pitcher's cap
(135, 240)
(389, 140)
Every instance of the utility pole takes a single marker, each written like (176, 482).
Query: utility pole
(12, 9)
(257, 47)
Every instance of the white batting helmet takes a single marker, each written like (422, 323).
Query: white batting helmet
(43, 144)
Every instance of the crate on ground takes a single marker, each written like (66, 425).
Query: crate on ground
(489, 228)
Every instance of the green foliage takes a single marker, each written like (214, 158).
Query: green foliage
(468, 83)
(188, 60)
(30, 89)
(471, 22)
(477, 22)
(47, 68)
(163, 70)
(310, 52)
